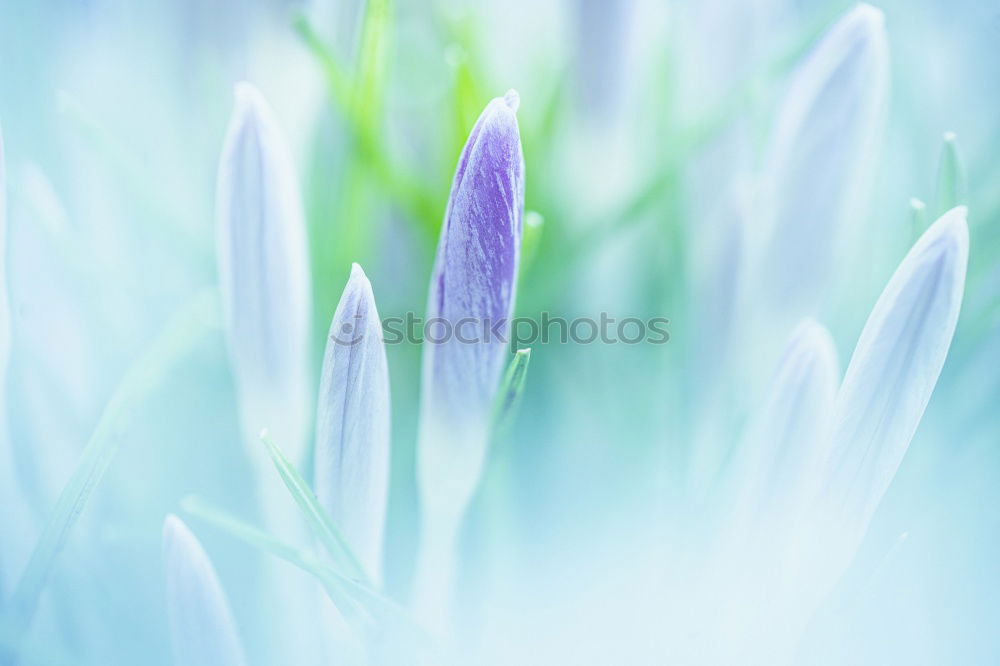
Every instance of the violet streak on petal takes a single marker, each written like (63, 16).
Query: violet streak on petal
(263, 271)
(352, 423)
(472, 289)
(203, 632)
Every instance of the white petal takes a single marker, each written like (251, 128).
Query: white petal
(203, 631)
(352, 423)
(786, 445)
(818, 157)
(894, 369)
(263, 271)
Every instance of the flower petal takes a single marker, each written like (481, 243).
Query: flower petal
(785, 447)
(893, 371)
(202, 628)
(352, 423)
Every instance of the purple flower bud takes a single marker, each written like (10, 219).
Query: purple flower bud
(471, 300)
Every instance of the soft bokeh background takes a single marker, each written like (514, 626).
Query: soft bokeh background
(637, 118)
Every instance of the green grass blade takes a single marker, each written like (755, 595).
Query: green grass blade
(337, 80)
(357, 601)
(511, 389)
(333, 583)
(918, 218)
(372, 64)
(359, 96)
(534, 225)
(318, 519)
(951, 176)
(187, 327)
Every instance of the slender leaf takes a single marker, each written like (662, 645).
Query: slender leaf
(534, 225)
(918, 216)
(358, 601)
(951, 190)
(406, 189)
(319, 520)
(185, 330)
(508, 397)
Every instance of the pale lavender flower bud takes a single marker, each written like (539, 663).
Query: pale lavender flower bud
(203, 631)
(819, 158)
(472, 296)
(263, 272)
(352, 423)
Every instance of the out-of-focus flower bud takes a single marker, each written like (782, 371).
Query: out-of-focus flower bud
(819, 159)
(203, 631)
(264, 272)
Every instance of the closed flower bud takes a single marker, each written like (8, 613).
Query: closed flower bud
(471, 300)
(352, 423)
(203, 631)
(263, 272)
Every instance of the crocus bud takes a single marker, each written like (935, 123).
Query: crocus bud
(263, 272)
(819, 156)
(469, 307)
(352, 423)
(203, 632)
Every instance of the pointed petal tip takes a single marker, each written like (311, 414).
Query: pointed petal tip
(357, 273)
(358, 280)
(808, 326)
(810, 329)
(171, 524)
(951, 229)
(250, 106)
(175, 531)
(814, 338)
(246, 92)
(512, 100)
(869, 14)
